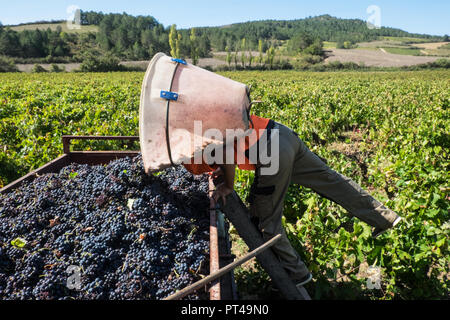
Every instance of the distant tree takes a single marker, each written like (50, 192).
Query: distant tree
(204, 46)
(194, 49)
(91, 17)
(104, 41)
(250, 57)
(139, 52)
(37, 68)
(148, 43)
(315, 49)
(300, 42)
(278, 55)
(446, 38)
(243, 45)
(56, 68)
(344, 44)
(173, 36)
(270, 56)
(7, 65)
(227, 48)
(130, 37)
(178, 46)
(94, 61)
(243, 59)
(260, 49)
(9, 43)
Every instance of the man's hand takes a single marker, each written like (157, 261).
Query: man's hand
(217, 173)
(226, 186)
(221, 192)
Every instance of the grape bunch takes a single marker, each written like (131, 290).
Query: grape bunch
(104, 232)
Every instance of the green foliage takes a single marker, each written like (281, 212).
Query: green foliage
(270, 54)
(139, 38)
(37, 68)
(229, 56)
(260, 50)
(37, 109)
(300, 42)
(315, 49)
(7, 65)
(324, 27)
(439, 63)
(177, 45)
(305, 61)
(19, 243)
(35, 43)
(400, 121)
(411, 51)
(56, 68)
(345, 44)
(307, 51)
(94, 61)
(194, 45)
(173, 37)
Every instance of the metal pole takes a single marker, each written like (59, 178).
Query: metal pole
(237, 213)
(214, 290)
(182, 293)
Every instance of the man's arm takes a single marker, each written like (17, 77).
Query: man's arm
(227, 171)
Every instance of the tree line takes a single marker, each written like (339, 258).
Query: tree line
(123, 35)
(324, 28)
(35, 43)
(140, 37)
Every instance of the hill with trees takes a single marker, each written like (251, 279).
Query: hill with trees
(324, 27)
(130, 37)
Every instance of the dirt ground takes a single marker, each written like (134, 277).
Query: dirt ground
(211, 62)
(370, 57)
(375, 58)
(29, 67)
(203, 62)
(431, 45)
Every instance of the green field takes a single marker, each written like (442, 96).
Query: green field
(405, 51)
(408, 46)
(54, 26)
(388, 131)
(329, 45)
(409, 39)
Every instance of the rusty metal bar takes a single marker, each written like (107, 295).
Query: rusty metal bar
(99, 157)
(214, 290)
(67, 138)
(182, 293)
(49, 167)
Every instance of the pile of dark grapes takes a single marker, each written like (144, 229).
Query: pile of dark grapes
(104, 232)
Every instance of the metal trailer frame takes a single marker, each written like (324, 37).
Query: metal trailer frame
(220, 245)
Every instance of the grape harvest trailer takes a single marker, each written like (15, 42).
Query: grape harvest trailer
(220, 283)
(219, 243)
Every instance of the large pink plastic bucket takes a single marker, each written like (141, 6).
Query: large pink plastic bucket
(184, 96)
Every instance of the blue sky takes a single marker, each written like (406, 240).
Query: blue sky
(425, 16)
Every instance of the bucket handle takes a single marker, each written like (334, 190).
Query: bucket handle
(169, 95)
(248, 90)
